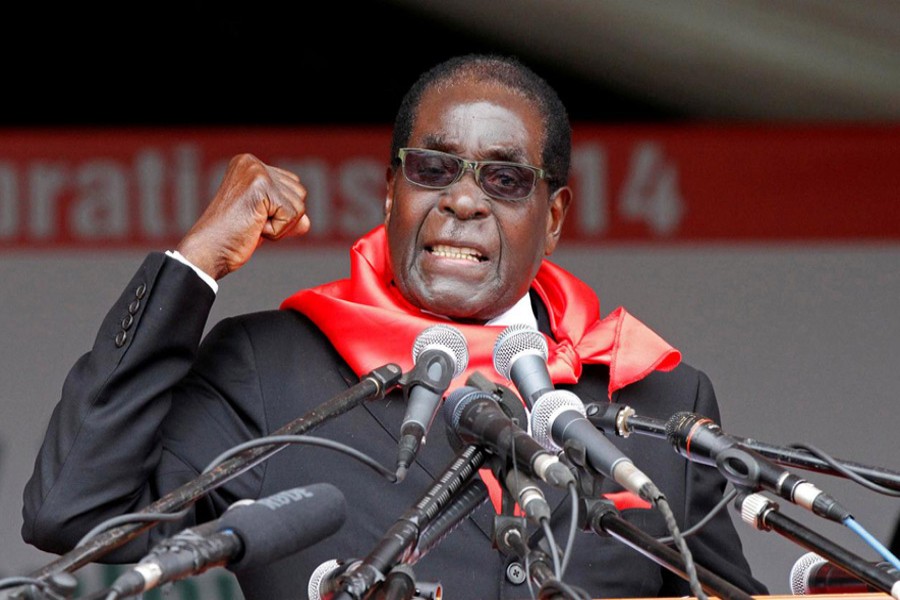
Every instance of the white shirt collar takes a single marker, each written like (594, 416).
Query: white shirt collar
(520, 312)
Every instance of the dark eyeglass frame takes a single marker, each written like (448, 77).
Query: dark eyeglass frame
(475, 166)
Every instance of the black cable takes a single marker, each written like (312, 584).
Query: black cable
(305, 439)
(528, 575)
(130, 518)
(103, 594)
(837, 466)
(554, 588)
(725, 501)
(11, 581)
(43, 586)
(689, 567)
(374, 385)
(573, 527)
(264, 441)
(554, 550)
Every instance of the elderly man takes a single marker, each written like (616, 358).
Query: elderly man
(476, 197)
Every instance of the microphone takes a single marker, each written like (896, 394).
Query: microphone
(476, 417)
(440, 353)
(813, 574)
(520, 355)
(246, 536)
(558, 416)
(558, 420)
(700, 439)
(320, 578)
(400, 539)
(321, 581)
(463, 503)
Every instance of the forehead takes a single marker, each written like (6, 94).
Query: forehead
(479, 120)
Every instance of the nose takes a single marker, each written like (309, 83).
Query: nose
(465, 199)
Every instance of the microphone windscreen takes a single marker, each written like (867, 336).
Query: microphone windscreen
(458, 400)
(279, 525)
(545, 411)
(446, 339)
(314, 587)
(515, 341)
(802, 571)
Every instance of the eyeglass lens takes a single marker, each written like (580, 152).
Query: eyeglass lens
(439, 170)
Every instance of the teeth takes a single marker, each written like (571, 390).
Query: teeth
(459, 253)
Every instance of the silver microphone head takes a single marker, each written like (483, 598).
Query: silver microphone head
(313, 588)
(800, 572)
(446, 339)
(515, 341)
(545, 411)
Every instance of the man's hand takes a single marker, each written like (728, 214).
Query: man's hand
(255, 201)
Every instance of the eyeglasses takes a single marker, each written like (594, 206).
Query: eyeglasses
(498, 179)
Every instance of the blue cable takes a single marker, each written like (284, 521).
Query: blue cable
(879, 547)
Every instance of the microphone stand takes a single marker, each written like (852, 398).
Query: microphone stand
(372, 386)
(397, 544)
(400, 584)
(761, 513)
(621, 420)
(401, 581)
(509, 537)
(602, 517)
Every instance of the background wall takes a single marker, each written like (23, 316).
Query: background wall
(800, 337)
(801, 344)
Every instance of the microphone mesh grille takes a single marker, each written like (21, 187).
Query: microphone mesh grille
(447, 339)
(800, 572)
(315, 580)
(675, 423)
(515, 340)
(458, 400)
(544, 412)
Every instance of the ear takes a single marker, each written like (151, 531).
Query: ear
(559, 206)
(389, 195)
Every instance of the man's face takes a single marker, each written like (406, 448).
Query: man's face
(456, 251)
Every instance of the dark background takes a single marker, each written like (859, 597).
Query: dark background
(257, 64)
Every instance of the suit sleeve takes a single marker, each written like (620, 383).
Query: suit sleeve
(102, 444)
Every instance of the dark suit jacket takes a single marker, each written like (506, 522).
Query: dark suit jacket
(149, 407)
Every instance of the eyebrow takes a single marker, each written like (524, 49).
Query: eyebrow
(437, 141)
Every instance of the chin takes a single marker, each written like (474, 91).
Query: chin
(456, 309)
(456, 300)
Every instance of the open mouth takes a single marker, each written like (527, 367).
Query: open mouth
(456, 252)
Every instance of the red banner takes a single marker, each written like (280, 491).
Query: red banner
(144, 188)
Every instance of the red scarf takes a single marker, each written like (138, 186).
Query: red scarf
(370, 324)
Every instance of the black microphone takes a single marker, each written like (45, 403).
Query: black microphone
(440, 353)
(700, 439)
(520, 355)
(400, 539)
(558, 420)
(460, 507)
(813, 574)
(477, 419)
(246, 536)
